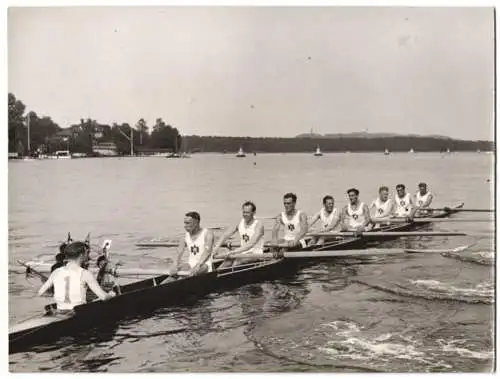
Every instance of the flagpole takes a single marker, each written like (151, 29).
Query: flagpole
(29, 144)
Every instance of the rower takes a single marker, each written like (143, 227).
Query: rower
(404, 203)
(423, 199)
(382, 207)
(199, 242)
(251, 233)
(70, 281)
(355, 215)
(294, 222)
(329, 217)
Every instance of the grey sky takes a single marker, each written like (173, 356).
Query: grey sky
(259, 71)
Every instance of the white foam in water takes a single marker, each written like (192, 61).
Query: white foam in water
(388, 347)
(483, 289)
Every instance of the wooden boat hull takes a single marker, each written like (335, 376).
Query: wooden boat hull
(147, 295)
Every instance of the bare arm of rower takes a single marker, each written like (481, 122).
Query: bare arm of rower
(259, 233)
(343, 216)
(228, 233)
(314, 220)
(303, 228)
(276, 229)
(209, 244)
(335, 222)
(366, 213)
(180, 251)
(49, 283)
(95, 287)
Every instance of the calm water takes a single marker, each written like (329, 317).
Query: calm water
(418, 313)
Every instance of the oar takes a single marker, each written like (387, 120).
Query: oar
(423, 219)
(340, 253)
(459, 209)
(384, 234)
(32, 270)
(119, 271)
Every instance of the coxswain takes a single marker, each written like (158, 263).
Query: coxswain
(293, 221)
(355, 215)
(423, 199)
(382, 207)
(328, 216)
(60, 258)
(199, 243)
(251, 231)
(71, 280)
(404, 203)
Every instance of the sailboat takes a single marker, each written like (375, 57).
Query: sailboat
(240, 154)
(386, 152)
(318, 152)
(411, 151)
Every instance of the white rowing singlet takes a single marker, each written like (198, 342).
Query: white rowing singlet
(382, 209)
(421, 199)
(292, 227)
(247, 233)
(357, 217)
(403, 205)
(196, 249)
(69, 288)
(326, 218)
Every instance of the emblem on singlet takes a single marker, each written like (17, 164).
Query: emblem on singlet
(291, 227)
(402, 203)
(420, 202)
(355, 216)
(195, 249)
(380, 211)
(245, 237)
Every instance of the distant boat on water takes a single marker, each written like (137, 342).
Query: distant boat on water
(318, 152)
(386, 152)
(411, 150)
(241, 154)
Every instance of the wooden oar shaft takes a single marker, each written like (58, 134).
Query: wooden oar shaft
(388, 234)
(344, 253)
(423, 219)
(460, 209)
(120, 271)
(36, 272)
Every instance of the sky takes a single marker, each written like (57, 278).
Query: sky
(259, 71)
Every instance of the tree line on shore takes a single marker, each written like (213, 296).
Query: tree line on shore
(46, 136)
(30, 134)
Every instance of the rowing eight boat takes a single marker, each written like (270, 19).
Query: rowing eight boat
(146, 295)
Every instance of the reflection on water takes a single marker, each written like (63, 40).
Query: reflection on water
(364, 314)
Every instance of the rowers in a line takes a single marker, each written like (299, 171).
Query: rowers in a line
(199, 243)
(71, 280)
(355, 216)
(251, 233)
(329, 217)
(293, 221)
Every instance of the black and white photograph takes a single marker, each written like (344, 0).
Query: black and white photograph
(251, 188)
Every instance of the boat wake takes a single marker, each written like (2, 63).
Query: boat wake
(482, 293)
(349, 341)
(486, 258)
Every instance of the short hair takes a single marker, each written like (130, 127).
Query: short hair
(75, 249)
(193, 215)
(327, 197)
(355, 190)
(249, 204)
(422, 184)
(402, 186)
(383, 188)
(290, 195)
